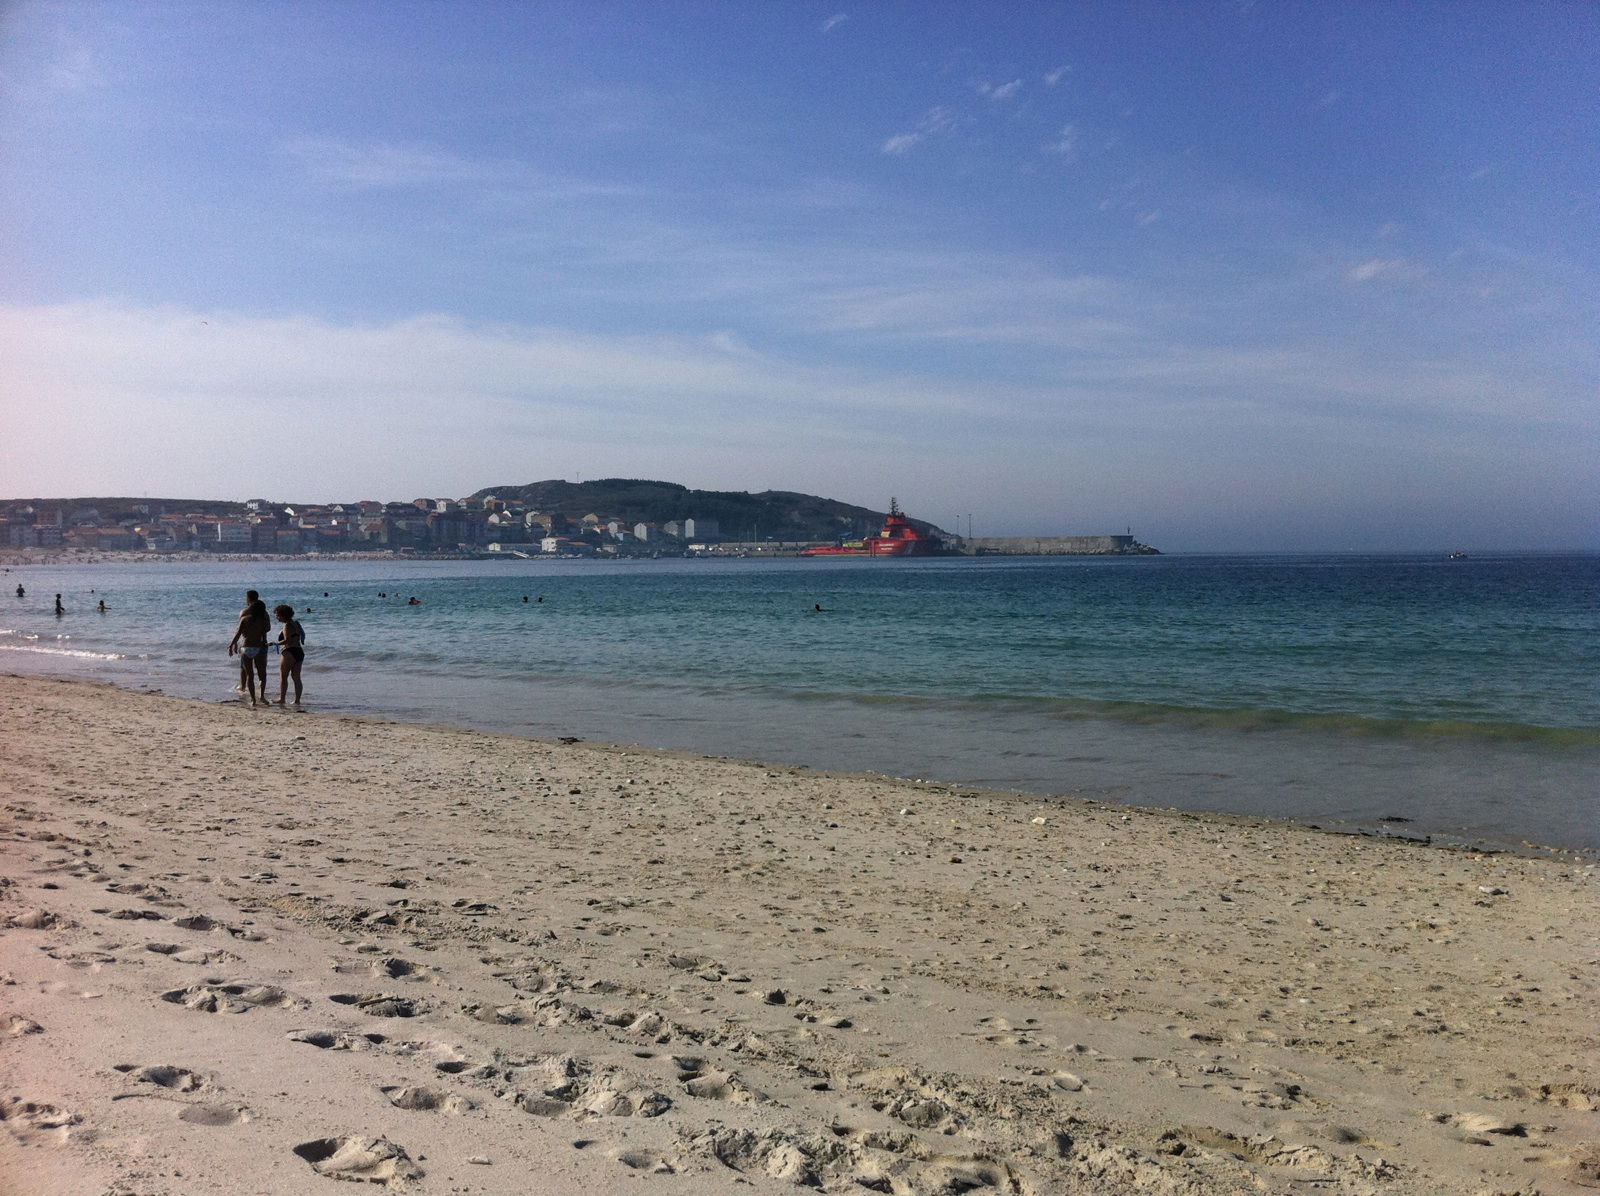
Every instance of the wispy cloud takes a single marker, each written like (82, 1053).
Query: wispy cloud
(1052, 78)
(999, 91)
(834, 22)
(384, 164)
(443, 405)
(174, 382)
(74, 69)
(938, 120)
(1386, 270)
(421, 165)
(1064, 143)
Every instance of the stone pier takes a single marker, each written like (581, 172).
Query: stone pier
(1056, 546)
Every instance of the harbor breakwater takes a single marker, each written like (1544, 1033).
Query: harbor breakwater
(1056, 546)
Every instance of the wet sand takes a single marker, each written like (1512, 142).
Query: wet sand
(258, 951)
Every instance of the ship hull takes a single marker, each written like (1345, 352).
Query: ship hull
(899, 537)
(889, 548)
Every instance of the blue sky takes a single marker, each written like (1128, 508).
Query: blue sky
(1238, 275)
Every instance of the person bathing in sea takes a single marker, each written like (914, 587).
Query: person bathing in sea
(250, 643)
(291, 652)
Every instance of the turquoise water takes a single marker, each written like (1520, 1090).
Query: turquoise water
(1462, 696)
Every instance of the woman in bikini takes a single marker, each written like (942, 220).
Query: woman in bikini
(292, 650)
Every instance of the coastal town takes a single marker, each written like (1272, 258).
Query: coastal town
(607, 518)
(439, 526)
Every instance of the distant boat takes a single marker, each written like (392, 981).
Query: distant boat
(1457, 555)
(899, 537)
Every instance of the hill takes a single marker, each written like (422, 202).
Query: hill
(114, 510)
(771, 514)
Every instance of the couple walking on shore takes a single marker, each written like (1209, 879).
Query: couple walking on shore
(250, 643)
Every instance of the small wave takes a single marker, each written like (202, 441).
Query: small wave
(1339, 723)
(47, 650)
(1232, 718)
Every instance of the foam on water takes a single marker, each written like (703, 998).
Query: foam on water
(19, 641)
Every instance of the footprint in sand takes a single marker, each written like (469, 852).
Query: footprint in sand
(30, 1121)
(390, 968)
(150, 892)
(1002, 1032)
(1585, 1097)
(920, 1112)
(214, 1114)
(1198, 1141)
(568, 1086)
(89, 960)
(430, 1100)
(870, 1160)
(132, 915)
(197, 922)
(193, 954)
(700, 1079)
(648, 1161)
(380, 1004)
(1473, 1127)
(336, 1040)
(364, 1160)
(202, 922)
(231, 998)
(177, 1079)
(35, 919)
(1273, 1096)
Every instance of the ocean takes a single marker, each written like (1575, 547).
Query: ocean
(1391, 694)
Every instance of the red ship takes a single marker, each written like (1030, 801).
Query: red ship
(899, 537)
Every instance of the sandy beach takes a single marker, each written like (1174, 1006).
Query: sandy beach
(260, 951)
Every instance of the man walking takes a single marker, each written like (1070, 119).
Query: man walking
(250, 642)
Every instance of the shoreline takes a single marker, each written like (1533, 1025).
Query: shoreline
(318, 942)
(1387, 827)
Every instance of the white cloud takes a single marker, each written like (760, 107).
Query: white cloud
(1065, 142)
(1055, 76)
(76, 69)
(129, 398)
(1000, 91)
(419, 164)
(108, 398)
(382, 164)
(834, 22)
(938, 120)
(1390, 270)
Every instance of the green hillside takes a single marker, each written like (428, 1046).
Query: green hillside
(114, 510)
(771, 514)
